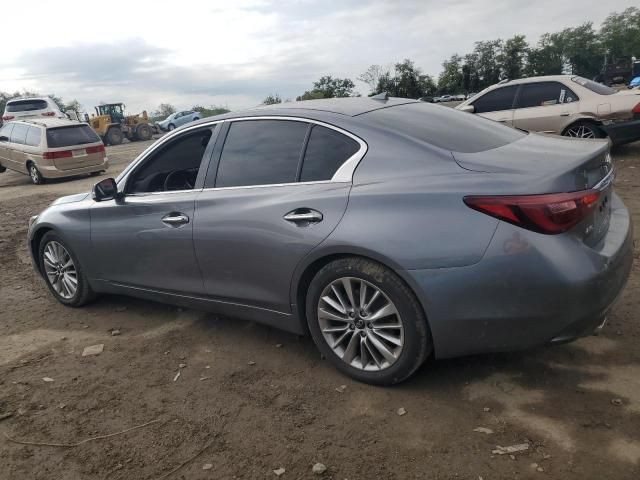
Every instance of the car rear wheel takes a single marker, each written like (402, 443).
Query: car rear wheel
(62, 272)
(583, 130)
(367, 322)
(35, 175)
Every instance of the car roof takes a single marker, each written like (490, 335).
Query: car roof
(20, 99)
(349, 106)
(48, 122)
(544, 78)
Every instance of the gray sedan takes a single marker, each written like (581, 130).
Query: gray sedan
(392, 230)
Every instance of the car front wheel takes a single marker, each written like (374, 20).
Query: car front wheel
(367, 322)
(62, 272)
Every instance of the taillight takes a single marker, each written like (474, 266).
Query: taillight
(54, 155)
(8, 117)
(48, 114)
(549, 213)
(96, 149)
(636, 109)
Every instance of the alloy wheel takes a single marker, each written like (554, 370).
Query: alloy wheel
(35, 175)
(60, 269)
(360, 324)
(581, 131)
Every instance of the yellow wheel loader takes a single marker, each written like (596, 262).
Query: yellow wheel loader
(112, 125)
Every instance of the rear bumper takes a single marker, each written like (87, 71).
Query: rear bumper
(528, 290)
(54, 172)
(624, 132)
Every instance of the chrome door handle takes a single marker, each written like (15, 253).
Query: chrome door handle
(175, 219)
(303, 216)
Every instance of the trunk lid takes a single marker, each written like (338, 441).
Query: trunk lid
(542, 164)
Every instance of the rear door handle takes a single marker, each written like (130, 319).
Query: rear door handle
(303, 216)
(175, 219)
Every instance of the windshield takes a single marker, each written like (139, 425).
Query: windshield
(595, 87)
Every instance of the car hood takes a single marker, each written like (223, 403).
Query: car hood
(78, 197)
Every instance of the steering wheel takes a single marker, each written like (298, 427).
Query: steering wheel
(177, 180)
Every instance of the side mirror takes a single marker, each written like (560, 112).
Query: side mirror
(468, 109)
(3, 138)
(106, 189)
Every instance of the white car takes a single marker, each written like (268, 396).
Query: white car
(18, 108)
(561, 104)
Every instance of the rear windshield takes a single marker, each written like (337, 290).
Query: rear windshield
(26, 105)
(445, 127)
(598, 88)
(68, 136)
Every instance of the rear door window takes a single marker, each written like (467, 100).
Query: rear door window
(26, 105)
(33, 136)
(544, 94)
(261, 152)
(499, 99)
(19, 133)
(326, 151)
(70, 136)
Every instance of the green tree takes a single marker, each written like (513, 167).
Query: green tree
(620, 33)
(162, 112)
(329, 87)
(513, 56)
(372, 76)
(407, 81)
(210, 111)
(487, 64)
(546, 58)
(272, 99)
(74, 105)
(451, 79)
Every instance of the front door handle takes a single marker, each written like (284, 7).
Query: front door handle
(175, 219)
(303, 216)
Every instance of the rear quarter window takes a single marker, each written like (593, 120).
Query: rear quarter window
(26, 105)
(33, 136)
(69, 136)
(595, 87)
(19, 133)
(445, 127)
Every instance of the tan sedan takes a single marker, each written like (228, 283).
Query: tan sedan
(51, 148)
(561, 104)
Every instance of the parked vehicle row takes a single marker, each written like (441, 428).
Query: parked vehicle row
(562, 104)
(390, 229)
(50, 148)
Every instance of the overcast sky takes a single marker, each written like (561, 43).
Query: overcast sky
(236, 52)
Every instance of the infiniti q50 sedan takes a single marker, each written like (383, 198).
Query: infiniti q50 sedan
(391, 230)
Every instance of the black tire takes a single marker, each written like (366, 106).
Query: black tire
(417, 338)
(195, 119)
(83, 294)
(2, 169)
(591, 130)
(143, 132)
(34, 174)
(171, 127)
(114, 136)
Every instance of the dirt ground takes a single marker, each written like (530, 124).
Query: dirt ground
(577, 405)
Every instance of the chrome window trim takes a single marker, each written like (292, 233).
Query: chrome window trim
(344, 174)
